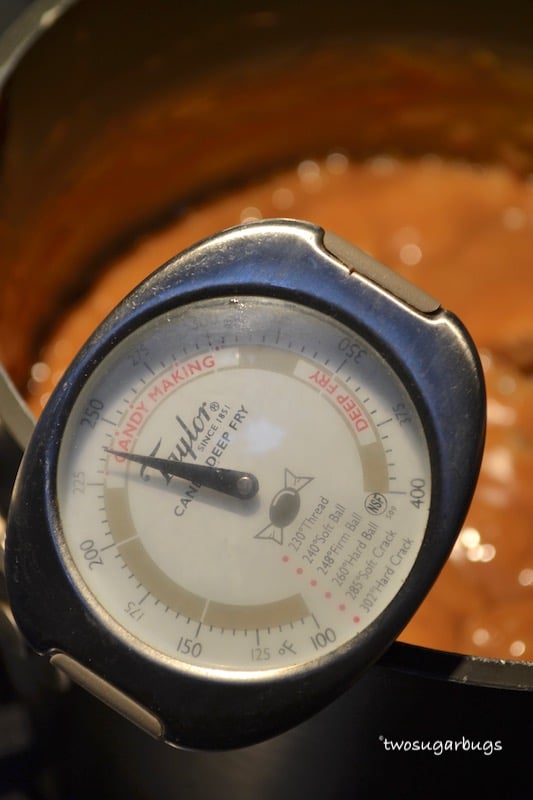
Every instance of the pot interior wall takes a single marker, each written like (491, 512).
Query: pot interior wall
(119, 117)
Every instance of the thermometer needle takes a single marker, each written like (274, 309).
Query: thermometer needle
(235, 483)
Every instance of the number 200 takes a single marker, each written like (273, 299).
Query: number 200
(91, 553)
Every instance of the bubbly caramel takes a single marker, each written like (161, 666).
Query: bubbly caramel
(464, 234)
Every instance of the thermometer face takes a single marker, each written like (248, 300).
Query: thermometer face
(330, 500)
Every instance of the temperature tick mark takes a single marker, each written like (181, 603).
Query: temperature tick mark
(144, 598)
(340, 367)
(108, 421)
(385, 422)
(149, 368)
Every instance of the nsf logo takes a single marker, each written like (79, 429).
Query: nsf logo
(376, 503)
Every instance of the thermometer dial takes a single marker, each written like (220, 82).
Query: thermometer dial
(245, 484)
(305, 412)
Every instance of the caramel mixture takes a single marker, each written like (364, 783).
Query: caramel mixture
(464, 234)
